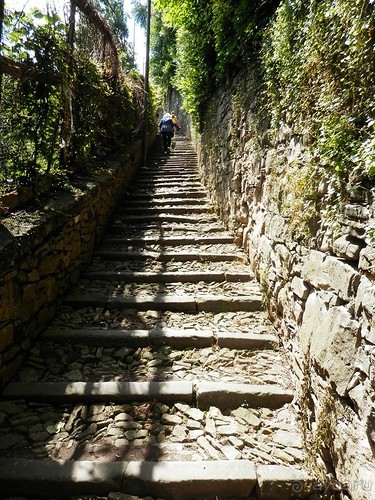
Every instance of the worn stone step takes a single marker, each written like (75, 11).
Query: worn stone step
(146, 365)
(186, 194)
(168, 183)
(167, 277)
(172, 337)
(169, 479)
(166, 209)
(139, 227)
(234, 395)
(178, 192)
(172, 171)
(90, 392)
(161, 256)
(168, 175)
(233, 479)
(164, 202)
(206, 394)
(171, 240)
(160, 302)
(163, 218)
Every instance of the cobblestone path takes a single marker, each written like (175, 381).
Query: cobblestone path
(161, 376)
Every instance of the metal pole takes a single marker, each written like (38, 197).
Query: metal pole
(146, 86)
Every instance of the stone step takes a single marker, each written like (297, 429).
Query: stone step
(167, 209)
(205, 394)
(172, 182)
(163, 218)
(182, 193)
(151, 202)
(175, 256)
(170, 240)
(160, 302)
(121, 226)
(146, 409)
(168, 479)
(178, 191)
(167, 175)
(173, 337)
(167, 277)
(225, 479)
(172, 171)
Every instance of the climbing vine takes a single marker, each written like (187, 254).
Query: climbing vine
(214, 39)
(310, 67)
(319, 63)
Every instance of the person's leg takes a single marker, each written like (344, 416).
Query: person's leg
(165, 142)
(169, 140)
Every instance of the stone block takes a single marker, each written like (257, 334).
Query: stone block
(365, 299)
(50, 264)
(48, 288)
(29, 301)
(331, 336)
(277, 482)
(6, 336)
(7, 300)
(347, 248)
(356, 211)
(276, 229)
(329, 273)
(300, 288)
(367, 260)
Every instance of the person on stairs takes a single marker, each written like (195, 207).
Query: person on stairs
(167, 127)
(175, 121)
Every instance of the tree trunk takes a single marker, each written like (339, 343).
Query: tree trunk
(1, 40)
(66, 92)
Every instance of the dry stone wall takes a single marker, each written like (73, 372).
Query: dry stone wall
(43, 249)
(320, 292)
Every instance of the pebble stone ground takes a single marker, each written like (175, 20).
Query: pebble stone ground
(165, 299)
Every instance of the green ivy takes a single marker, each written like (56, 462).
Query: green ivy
(30, 111)
(214, 40)
(106, 111)
(319, 64)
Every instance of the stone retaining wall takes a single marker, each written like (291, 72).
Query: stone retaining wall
(43, 249)
(320, 293)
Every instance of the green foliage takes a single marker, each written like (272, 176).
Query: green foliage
(315, 66)
(105, 111)
(214, 39)
(114, 13)
(30, 112)
(319, 64)
(139, 12)
(193, 48)
(163, 62)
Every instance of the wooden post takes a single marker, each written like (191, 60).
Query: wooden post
(146, 87)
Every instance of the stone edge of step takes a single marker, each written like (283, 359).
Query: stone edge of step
(122, 255)
(168, 479)
(177, 303)
(169, 276)
(203, 394)
(173, 337)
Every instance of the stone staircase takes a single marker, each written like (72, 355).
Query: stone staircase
(161, 375)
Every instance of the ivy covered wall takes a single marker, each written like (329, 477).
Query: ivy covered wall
(281, 94)
(312, 64)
